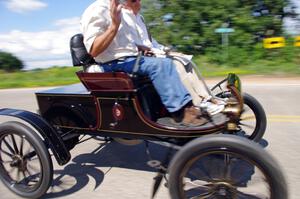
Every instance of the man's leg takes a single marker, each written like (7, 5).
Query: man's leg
(163, 75)
(198, 91)
(166, 81)
(168, 85)
(192, 83)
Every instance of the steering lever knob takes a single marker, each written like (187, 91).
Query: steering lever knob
(167, 49)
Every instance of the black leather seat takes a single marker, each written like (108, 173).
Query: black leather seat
(80, 56)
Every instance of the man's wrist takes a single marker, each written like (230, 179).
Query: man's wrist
(114, 27)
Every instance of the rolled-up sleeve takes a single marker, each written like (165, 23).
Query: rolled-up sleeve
(94, 22)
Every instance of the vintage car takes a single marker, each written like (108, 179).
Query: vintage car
(126, 108)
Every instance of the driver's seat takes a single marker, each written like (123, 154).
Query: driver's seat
(80, 56)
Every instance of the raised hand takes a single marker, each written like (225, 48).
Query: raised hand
(115, 12)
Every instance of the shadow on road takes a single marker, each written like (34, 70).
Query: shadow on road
(75, 176)
(84, 167)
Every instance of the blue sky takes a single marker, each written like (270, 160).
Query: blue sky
(39, 17)
(38, 31)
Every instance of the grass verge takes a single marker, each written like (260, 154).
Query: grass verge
(56, 76)
(48, 77)
(260, 67)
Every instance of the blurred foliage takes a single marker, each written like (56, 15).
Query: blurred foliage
(190, 26)
(9, 62)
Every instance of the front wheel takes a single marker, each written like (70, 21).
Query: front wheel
(227, 167)
(253, 120)
(25, 164)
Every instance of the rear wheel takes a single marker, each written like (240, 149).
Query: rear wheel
(227, 167)
(25, 164)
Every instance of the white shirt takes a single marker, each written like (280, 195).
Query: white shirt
(142, 38)
(95, 21)
(132, 32)
(140, 32)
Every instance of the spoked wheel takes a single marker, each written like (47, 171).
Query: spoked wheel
(225, 167)
(25, 164)
(253, 120)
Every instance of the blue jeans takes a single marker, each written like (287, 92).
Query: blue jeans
(163, 75)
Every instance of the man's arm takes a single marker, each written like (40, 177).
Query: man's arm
(102, 41)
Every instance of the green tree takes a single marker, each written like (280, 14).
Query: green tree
(9, 62)
(192, 24)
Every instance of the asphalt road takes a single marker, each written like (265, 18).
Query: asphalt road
(117, 171)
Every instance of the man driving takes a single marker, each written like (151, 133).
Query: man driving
(108, 38)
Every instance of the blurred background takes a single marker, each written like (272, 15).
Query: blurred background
(239, 33)
(242, 36)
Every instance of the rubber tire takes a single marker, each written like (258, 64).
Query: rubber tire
(40, 148)
(242, 146)
(260, 116)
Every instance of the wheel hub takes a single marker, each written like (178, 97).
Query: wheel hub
(19, 162)
(223, 190)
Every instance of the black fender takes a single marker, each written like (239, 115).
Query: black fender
(76, 110)
(51, 137)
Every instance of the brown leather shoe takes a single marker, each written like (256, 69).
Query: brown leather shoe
(194, 110)
(191, 117)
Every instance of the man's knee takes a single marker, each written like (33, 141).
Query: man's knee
(155, 66)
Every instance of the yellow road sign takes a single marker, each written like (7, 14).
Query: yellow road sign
(297, 41)
(274, 42)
